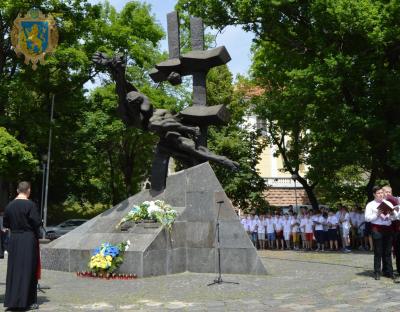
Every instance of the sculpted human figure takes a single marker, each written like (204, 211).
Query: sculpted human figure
(177, 139)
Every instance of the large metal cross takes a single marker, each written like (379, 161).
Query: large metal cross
(199, 96)
(196, 63)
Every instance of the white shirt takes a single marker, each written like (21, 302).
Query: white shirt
(320, 220)
(344, 219)
(396, 215)
(371, 213)
(307, 224)
(333, 220)
(260, 226)
(278, 224)
(295, 225)
(301, 221)
(269, 224)
(354, 218)
(361, 220)
(286, 225)
(244, 223)
(252, 225)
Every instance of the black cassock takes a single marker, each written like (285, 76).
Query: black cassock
(22, 218)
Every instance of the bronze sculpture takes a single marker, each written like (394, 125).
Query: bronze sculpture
(182, 135)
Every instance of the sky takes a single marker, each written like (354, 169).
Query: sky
(236, 40)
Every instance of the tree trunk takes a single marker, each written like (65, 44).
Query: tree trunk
(371, 184)
(4, 194)
(310, 192)
(394, 179)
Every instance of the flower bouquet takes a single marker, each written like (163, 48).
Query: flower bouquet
(151, 210)
(107, 258)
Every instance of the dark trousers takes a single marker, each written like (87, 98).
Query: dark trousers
(2, 238)
(382, 252)
(396, 246)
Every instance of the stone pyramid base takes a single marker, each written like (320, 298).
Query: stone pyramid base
(154, 251)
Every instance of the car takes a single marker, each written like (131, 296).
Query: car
(53, 232)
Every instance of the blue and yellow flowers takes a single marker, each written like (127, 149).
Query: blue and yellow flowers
(107, 258)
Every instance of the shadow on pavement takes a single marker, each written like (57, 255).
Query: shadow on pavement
(42, 299)
(369, 273)
(312, 261)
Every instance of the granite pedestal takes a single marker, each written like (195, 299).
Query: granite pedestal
(190, 246)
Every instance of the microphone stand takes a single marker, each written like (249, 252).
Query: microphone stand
(219, 279)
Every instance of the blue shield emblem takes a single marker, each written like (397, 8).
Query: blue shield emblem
(34, 35)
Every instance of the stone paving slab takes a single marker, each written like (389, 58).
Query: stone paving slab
(296, 281)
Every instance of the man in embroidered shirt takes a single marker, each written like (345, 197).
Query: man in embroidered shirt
(387, 194)
(381, 234)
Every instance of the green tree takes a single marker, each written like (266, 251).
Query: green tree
(236, 141)
(15, 160)
(77, 168)
(332, 65)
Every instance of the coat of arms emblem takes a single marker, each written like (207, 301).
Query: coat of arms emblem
(34, 35)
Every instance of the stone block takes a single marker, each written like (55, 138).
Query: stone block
(176, 261)
(175, 192)
(246, 261)
(55, 259)
(154, 250)
(232, 235)
(133, 263)
(201, 179)
(200, 234)
(177, 238)
(201, 260)
(79, 260)
(155, 262)
(199, 207)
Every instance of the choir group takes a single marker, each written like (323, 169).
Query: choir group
(376, 229)
(320, 230)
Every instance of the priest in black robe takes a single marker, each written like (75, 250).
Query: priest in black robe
(22, 218)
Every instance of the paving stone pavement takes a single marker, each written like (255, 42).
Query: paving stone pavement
(296, 281)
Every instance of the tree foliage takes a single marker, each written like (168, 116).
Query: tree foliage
(13, 155)
(92, 151)
(238, 142)
(331, 71)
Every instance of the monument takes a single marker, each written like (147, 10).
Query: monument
(193, 192)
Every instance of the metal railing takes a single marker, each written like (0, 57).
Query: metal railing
(281, 182)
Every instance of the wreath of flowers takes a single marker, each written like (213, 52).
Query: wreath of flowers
(107, 258)
(158, 211)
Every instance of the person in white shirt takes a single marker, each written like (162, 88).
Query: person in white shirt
(344, 223)
(247, 224)
(243, 221)
(270, 229)
(279, 231)
(361, 230)
(381, 234)
(286, 230)
(325, 226)
(353, 227)
(295, 227)
(261, 231)
(300, 218)
(253, 229)
(395, 218)
(318, 221)
(332, 223)
(307, 225)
